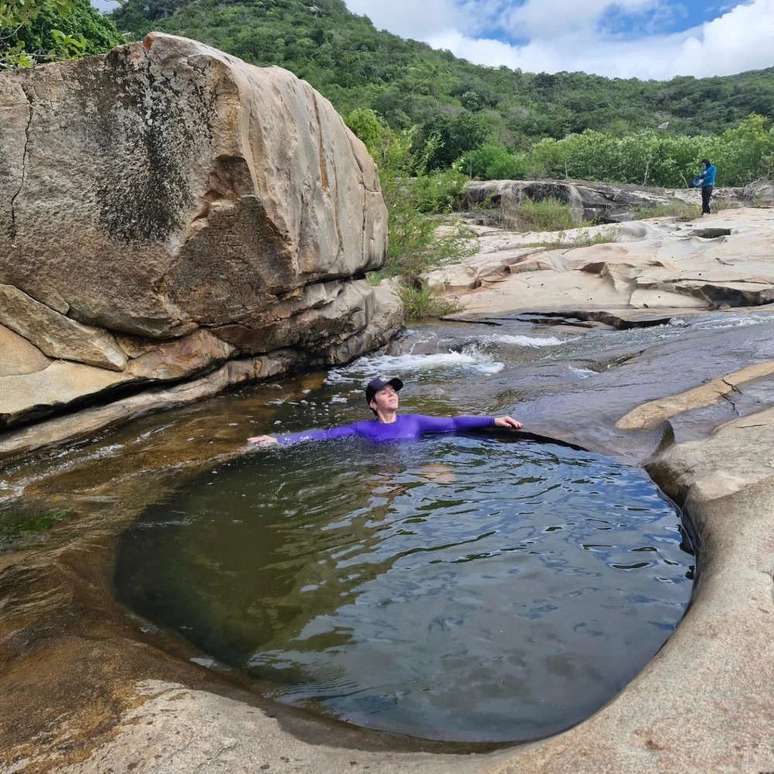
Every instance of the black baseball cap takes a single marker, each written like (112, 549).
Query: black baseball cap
(379, 384)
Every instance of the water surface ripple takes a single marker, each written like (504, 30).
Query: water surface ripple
(458, 588)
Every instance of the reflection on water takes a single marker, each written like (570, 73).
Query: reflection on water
(456, 588)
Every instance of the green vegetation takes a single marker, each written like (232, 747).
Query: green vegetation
(494, 162)
(546, 215)
(488, 122)
(346, 58)
(742, 153)
(419, 303)
(18, 525)
(48, 30)
(677, 209)
(604, 237)
(414, 196)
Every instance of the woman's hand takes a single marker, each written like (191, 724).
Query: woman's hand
(263, 440)
(508, 422)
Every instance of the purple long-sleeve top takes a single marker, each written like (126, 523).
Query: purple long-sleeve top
(405, 427)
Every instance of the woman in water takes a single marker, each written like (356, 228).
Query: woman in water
(382, 398)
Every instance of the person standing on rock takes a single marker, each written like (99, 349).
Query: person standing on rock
(382, 398)
(707, 178)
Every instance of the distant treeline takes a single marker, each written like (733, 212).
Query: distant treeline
(34, 31)
(481, 121)
(742, 154)
(409, 84)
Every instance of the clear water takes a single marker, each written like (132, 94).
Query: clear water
(457, 588)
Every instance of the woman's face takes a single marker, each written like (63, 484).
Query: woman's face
(386, 400)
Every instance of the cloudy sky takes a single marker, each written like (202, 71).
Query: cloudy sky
(624, 38)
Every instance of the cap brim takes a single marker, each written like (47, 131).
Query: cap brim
(395, 383)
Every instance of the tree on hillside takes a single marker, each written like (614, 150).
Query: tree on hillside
(49, 30)
(456, 133)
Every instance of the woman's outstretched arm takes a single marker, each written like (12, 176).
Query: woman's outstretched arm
(461, 424)
(287, 439)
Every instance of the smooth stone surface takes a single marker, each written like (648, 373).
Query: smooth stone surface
(651, 264)
(737, 456)
(217, 734)
(56, 335)
(27, 395)
(652, 414)
(18, 356)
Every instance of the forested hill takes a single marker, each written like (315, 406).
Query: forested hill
(355, 65)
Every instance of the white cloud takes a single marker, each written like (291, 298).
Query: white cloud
(558, 17)
(564, 35)
(411, 19)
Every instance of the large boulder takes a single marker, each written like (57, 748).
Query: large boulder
(168, 185)
(166, 191)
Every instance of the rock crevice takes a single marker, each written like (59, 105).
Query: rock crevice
(15, 195)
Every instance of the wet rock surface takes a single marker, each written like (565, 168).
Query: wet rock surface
(141, 703)
(168, 207)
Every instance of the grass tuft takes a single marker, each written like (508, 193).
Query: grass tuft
(546, 215)
(676, 209)
(582, 240)
(419, 303)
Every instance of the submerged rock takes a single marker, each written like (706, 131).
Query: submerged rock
(167, 190)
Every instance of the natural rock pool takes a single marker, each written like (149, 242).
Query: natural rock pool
(62, 515)
(470, 588)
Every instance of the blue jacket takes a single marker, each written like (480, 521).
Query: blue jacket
(708, 176)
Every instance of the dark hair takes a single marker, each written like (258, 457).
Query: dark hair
(707, 162)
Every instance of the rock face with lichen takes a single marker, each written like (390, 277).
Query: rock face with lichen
(167, 207)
